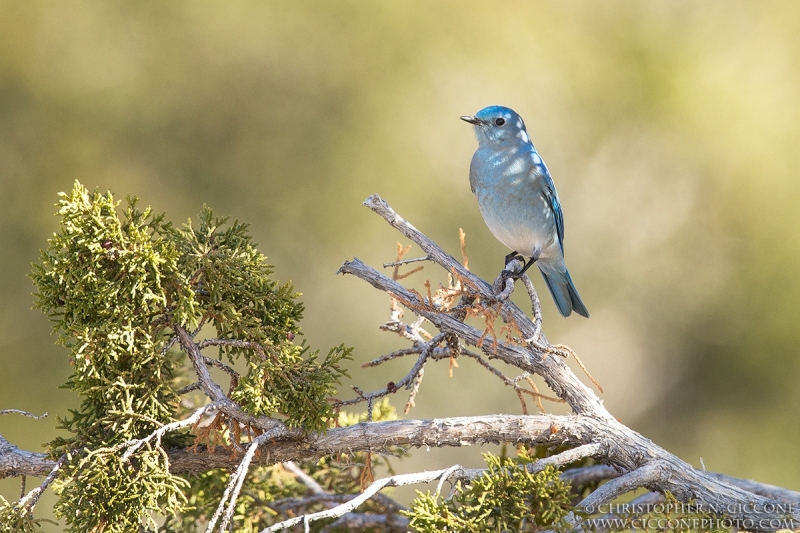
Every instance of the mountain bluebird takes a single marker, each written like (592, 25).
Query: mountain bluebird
(519, 202)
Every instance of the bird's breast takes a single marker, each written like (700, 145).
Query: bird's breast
(513, 204)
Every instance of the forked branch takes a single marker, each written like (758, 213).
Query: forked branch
(643, 463)
(629, 460)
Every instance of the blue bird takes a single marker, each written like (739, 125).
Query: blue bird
(519, 202)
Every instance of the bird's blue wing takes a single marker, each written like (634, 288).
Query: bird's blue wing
(552, 198)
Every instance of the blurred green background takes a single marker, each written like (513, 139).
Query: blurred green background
(672, 130)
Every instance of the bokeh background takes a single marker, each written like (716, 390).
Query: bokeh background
(672, 129)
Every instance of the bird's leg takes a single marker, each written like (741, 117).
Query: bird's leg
(527, 266)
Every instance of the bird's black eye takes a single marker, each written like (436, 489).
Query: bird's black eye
(499, 121)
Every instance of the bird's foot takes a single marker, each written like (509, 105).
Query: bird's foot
(510, 257)
(510, 274)
(506, 275)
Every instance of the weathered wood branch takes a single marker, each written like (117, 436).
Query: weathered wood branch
(16, 462)
(652, 473)
(628, 451)
(382, 436)
(630, 460)
(550, 430)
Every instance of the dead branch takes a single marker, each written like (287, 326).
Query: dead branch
(631, 453)
(17, 462)
(629, 460)
(23, 413)
(350, 505)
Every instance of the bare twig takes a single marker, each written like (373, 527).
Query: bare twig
(446, 475)
(412, 332)
(416, 349)
(234, 343)
(363, 522)
(762, 489)
(231, 493)
(241, 472)
(189, 388)
(407, 381)
(351, 505)
(406, 261)
(172, 340)
(536, 307)
(305, 479)
(504, 286)
(29, 501)
(133, 445)
(198, 361)
(331, 500)
(23, 413)
(222, 366)
(594, 449)
(560, 459)
(589, 474)
(562, 350)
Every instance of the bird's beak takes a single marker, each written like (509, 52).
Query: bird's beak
(473, 120)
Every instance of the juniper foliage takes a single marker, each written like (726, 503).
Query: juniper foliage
(16, 520)
(114, 282)
(505, 498)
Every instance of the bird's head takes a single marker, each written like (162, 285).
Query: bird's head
(498, 125)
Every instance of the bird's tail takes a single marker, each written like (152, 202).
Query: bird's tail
(564, 293)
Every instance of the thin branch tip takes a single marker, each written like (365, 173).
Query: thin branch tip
(373, 199)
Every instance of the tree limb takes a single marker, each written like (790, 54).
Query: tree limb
(16, 462)
(628, 451)
(630, 460)
(652, 473)
(374, 488)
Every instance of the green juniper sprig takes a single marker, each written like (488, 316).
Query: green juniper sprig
(115, 281)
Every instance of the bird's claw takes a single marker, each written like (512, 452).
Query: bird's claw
(513, 255)
(506, 275)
